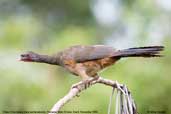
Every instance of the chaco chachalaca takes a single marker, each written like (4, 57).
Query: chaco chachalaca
(87, 61)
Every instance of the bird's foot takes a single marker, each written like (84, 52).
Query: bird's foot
(85, 83)
(79, 85)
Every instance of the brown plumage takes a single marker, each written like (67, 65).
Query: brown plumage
(87, 61)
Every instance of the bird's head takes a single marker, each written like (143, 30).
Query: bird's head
(29, 57)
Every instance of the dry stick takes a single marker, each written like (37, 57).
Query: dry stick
(128, 101)
(117, 102)
(110, 101)
(80, 87)
(133, 104)
(125, 105)
(121, 104)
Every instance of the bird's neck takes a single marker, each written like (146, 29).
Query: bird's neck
(48, 59)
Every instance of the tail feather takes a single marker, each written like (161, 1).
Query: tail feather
(150, 51)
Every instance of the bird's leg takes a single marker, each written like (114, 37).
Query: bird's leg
(86, 80)
(89, 81)
(85, 83)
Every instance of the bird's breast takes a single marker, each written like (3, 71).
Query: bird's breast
(92, 67)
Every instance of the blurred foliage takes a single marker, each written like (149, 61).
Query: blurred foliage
(49, 26)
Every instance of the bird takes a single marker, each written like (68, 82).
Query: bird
(86, 61)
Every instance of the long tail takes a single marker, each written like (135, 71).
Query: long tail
(150, 51)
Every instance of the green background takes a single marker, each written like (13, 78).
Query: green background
(49, 26)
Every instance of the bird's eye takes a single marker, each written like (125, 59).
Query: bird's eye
(22, 55)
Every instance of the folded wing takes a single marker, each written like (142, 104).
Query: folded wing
(87, 53)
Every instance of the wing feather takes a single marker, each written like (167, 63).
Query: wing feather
(81, 53)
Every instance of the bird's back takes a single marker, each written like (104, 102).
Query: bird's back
(81, 53)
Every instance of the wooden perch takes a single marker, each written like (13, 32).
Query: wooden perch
(126, 105)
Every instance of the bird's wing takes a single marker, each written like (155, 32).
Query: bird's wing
(86, 53)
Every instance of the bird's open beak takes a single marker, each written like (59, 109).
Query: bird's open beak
(25, 58)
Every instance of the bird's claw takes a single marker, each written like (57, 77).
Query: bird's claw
(76, 85)
(85, 83)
